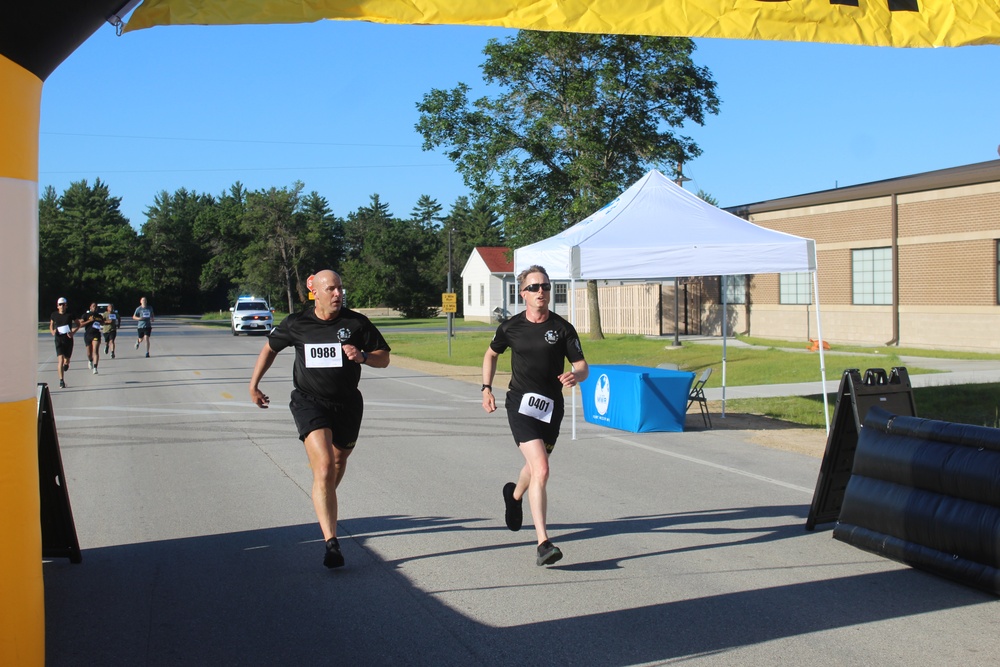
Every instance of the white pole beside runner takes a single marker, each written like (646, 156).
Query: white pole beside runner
(572, 319)
(819, 338)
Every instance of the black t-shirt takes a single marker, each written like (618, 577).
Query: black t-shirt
(62, 320)
(537, 352)
(93, 327)
(320, 368)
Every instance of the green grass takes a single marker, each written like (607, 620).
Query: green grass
(744, 366)
(875, 349)
(977, 404)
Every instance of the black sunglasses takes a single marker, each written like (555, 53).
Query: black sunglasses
(534, 287)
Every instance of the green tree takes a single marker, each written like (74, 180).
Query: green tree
(274, 257)
(171, 270)
(579, 117)
(324, 240)
(219, 230)
(86, 246)
(704, 196)
(365, 267)
(427, 212)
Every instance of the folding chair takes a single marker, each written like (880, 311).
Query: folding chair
(697, 395)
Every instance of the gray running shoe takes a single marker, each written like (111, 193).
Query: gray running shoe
(548, 553)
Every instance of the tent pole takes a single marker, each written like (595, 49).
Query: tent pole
(572, 319)
(819, 338)
(725, 316)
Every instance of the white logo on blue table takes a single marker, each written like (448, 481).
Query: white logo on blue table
(602, 394)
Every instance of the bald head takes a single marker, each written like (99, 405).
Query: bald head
(329, 292)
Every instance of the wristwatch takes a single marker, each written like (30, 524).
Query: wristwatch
(486, 386)
(364, 357)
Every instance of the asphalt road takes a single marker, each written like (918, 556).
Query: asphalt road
(200, 545)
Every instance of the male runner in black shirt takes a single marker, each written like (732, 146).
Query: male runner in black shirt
(62, 326)
(331, 344)
(539, 341)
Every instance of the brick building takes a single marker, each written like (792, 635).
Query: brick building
(911, 261)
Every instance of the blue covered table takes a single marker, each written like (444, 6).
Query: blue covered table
(636, 399)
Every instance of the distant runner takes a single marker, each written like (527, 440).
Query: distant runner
(62, 326)
(144, 315)
(111, 322)
(92, 323)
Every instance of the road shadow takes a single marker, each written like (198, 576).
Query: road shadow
(261, 597)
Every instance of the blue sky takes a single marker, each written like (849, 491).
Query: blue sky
(333, 104)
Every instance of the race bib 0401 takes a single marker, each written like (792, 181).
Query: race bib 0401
(324, 355)
(537, 406)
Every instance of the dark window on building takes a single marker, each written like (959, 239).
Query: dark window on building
(560, 289)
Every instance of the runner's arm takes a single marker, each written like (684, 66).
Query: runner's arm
(264, 361)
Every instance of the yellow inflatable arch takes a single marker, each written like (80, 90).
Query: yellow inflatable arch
(35, 37)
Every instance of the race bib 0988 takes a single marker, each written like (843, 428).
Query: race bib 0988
(324, 355)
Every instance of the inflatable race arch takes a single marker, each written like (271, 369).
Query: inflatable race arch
(35, 37)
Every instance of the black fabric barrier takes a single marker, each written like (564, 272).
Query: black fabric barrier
(856, 396)
(927, 493)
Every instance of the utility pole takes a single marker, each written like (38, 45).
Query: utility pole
(450, 291)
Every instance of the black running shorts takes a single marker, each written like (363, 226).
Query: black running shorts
(91, 335)
(342, 418)
(64, 346)
(110, 336)
(525, 428)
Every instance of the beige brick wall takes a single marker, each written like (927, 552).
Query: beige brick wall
(954, 328)
(947, 258)
(961, 273)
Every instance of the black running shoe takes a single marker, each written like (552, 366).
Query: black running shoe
(513, 515)
(65, 367)
(112, 355)
(548, 553)
(147, 355)
(333, 557)
(105, 349)
(62, 384)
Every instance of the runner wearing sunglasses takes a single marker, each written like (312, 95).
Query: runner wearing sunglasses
(540, 341)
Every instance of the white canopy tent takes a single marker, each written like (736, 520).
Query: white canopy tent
(658, 230)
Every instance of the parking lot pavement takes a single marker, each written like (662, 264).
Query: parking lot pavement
(200, 545)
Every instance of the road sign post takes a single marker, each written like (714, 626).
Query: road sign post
(449, 304)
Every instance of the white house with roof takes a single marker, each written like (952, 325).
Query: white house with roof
(489, 287)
